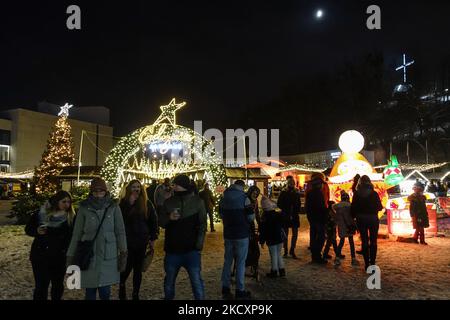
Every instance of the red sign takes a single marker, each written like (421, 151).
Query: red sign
(400, 222)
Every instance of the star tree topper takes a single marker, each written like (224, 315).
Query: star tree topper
(168, 112)
(65, 110)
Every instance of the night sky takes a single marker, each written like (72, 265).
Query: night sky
(220, 56)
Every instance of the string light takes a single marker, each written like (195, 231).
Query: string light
(128, 160)
(300, 167)
(58, 154)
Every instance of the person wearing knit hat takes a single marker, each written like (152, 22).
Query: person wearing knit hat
(182, 181)
(100, 218)
(184, 219)
(418, 212)
(341, 213)
(272, 233)
(98, 184)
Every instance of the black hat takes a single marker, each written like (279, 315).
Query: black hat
(183, 181)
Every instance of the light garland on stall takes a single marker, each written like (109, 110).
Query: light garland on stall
(300, 167)
(423, 167)
(26, 175)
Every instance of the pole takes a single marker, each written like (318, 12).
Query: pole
(79, 158)
(426, 150)
(407, 150)
(390, 150)
(96, 146)
(245, 161)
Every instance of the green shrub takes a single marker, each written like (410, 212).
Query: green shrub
(78, 194)
(25, 204)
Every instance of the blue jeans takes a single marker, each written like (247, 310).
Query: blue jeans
(103, 292)
(237, 250)
(192, 262)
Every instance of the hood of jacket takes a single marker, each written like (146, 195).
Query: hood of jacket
(365, 190)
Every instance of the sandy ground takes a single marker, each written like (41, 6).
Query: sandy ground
(5, 210)
(408, 271)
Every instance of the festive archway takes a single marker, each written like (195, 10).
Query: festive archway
(163, 149)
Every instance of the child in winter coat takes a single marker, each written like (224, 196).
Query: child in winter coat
(341, 214)
(418, 212)
(272, 233)
(331, 236)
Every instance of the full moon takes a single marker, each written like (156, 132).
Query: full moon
(319, 14)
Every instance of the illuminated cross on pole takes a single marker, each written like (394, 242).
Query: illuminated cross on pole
(404, 66)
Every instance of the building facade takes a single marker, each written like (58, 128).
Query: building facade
(24, 134)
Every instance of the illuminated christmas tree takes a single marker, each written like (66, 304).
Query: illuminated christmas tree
(58, 154)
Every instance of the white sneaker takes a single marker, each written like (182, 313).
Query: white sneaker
(355, 262)
(337, 262)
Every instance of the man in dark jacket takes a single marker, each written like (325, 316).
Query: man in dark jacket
(184, 219)
(317, 212)
(237, 214)
(208, 198)
(290, 204)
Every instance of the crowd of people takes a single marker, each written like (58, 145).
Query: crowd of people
(109, 239)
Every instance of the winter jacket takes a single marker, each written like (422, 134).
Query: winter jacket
(343, 218)
(111, 239)
(207, 196)
(51, 246)
(140, 230)
(290, 204)
(316, 210)
(187, 233)
(162, 193)
(271, 228)
(151, 193)
(418, 211)
(236, 212)
(366, 202)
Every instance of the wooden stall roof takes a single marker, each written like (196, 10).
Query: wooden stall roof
(239, 173)
(85, 172)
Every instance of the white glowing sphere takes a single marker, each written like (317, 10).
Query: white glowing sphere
(319, 14)
(351, 141)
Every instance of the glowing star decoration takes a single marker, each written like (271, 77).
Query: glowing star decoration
(168, 112)
(351, 141)
(133, 157)
(392, 173)
(65, 110)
